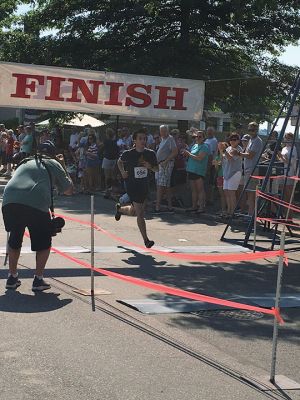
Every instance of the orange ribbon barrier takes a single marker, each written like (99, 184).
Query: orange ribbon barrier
(260, 177)
(208, 258)
(278, 201)
(282, 221)
(174, 291)
(170, 290)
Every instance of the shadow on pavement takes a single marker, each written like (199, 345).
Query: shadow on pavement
(16, 302)
(80, 204)
(223, 281)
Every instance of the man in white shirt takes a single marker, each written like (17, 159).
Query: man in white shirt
(251, 157)
(73, 144)
(74, 140)
(166, 155)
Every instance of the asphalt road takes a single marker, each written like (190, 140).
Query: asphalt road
(54, 346)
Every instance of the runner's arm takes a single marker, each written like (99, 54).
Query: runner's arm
(151, 167)
(152, 163)
(120, 164)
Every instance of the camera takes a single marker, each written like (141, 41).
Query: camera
(57, 224)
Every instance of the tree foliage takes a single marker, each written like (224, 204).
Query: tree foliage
(232, 45)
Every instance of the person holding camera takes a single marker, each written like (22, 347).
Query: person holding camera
(26, 202)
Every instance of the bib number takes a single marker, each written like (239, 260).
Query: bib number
(140, 172)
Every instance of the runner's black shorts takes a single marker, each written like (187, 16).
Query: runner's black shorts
(137, 193)
(19, 216)
(136, 197)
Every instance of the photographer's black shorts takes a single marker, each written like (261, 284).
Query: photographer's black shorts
(18, 216)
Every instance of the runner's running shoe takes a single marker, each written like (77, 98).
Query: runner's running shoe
(118, 214)
(149, 243)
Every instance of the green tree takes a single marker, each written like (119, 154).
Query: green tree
(234, 41)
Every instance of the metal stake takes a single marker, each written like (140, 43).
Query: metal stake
(277, 300)
(255, 219)
(92, 254)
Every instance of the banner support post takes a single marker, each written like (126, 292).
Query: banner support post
(92, 254)
(277, 300)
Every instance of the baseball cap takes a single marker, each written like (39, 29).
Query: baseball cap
(47, 148)
(246, 137)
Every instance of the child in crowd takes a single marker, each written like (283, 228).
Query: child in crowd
(71, 166)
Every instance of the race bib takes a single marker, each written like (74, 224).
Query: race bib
(140, 172)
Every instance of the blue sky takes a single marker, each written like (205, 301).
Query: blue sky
(291, 56)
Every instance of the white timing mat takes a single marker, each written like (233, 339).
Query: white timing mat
(128, 249)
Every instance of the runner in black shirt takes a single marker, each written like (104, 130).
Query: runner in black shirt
(134, 166)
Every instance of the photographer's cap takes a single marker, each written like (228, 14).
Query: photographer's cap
(47, 148)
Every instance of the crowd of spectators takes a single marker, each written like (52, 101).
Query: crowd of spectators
(214, 172)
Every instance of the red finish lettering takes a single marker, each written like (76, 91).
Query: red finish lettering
(55, 88)
(114, 94)
(23, 84)
(131, 91)
(79, 84)
(164, 97)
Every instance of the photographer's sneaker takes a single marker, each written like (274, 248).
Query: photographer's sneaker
(39, 285)
(12, 282)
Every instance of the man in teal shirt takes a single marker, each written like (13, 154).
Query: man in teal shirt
(26, 203)
(196, 170)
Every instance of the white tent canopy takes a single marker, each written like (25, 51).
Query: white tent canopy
(80, 120)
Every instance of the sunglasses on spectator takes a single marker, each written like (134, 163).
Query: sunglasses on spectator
(251, 130)
(234, 140)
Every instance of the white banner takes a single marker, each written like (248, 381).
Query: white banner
(63, 89)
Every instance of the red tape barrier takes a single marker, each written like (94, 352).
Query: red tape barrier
(172, 291)
(296, 178)
(279, 221)
(183, 256)
(278, 201)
